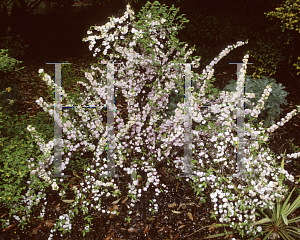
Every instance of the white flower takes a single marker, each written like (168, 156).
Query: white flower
(41, 70)
(54, 186)
(151, 179)
(136, 182)
(93, 147)
(259, 228)
(227, 123)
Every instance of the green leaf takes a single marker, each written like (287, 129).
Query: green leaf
(219, 235)
(285, 219)
(295, 204)
(262, 221)
(293, 220)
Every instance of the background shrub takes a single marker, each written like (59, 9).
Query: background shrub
(16, 47)
(11, 98)
(17, 147)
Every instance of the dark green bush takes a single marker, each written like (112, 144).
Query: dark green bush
(269, 52)
(17, 147)
(16, 47)
(11, 99)
(7, 63)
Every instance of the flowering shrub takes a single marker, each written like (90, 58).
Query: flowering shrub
(141, 145)
(16, 47)
(7, 63)
(278, 223)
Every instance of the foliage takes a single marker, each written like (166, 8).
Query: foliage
(154, 15)
(16, 147)
(8, 3)
(69, 76)
(288, 14)
(270, 51)
(16, 47)
(2, 117)
(11, 99)
(28, 5)
(8, 64)
(297, 65)
(294, 148)
(272, 105)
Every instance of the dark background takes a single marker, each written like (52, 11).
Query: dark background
(58, 29)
